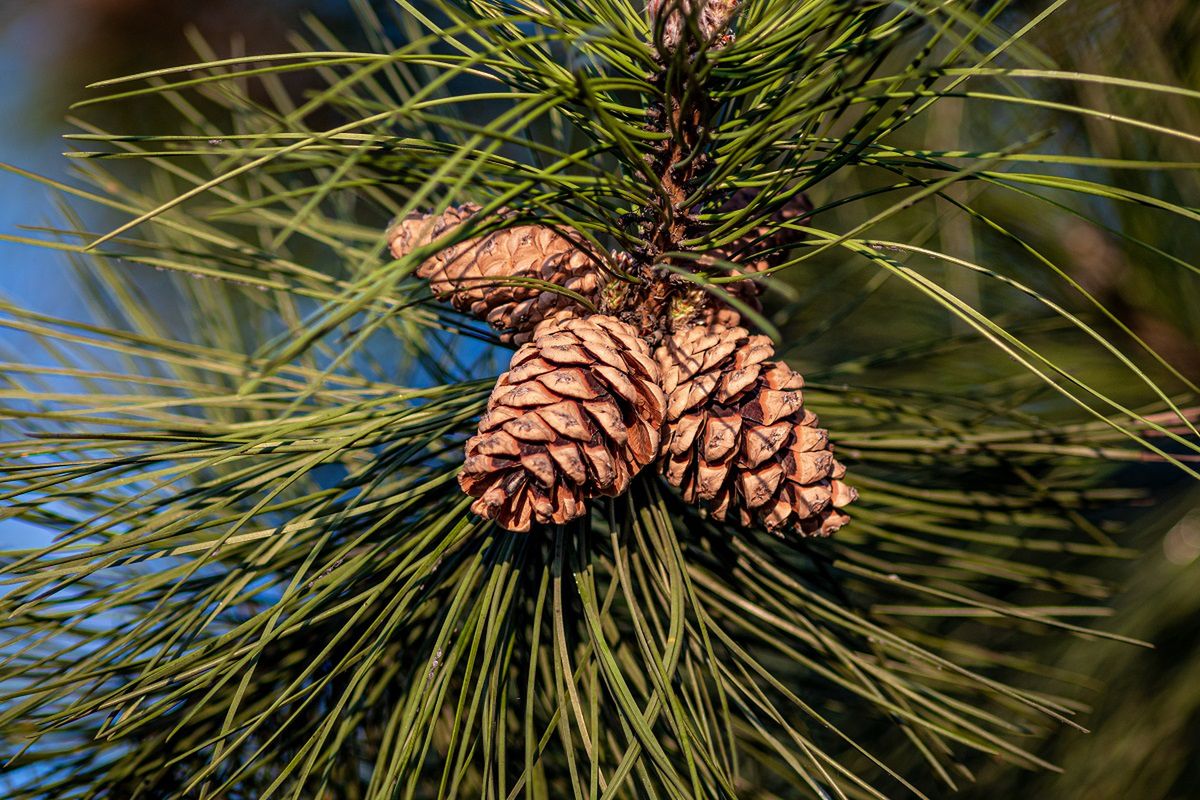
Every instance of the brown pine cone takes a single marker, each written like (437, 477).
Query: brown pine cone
(472, 274)
(578, 414)
(741, 444)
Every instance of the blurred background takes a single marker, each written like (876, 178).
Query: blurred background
(1145, 704)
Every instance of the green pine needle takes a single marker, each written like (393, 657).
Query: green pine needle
(263, 581)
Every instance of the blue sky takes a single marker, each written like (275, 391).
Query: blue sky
(29, 276)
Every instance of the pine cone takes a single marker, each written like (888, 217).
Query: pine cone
(577, 415)
(472, 274)
(741, 443)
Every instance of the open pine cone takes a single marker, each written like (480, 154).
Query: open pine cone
(474, 275)
(578, 414)
(741, 443)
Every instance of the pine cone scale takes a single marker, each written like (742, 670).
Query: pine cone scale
(570, 382)
(501, 443)
(569, 459)
(763, 442)
(608, 417)
(532, 428)
(721, 433)
(568, 420)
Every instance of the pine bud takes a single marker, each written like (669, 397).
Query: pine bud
(680, 20)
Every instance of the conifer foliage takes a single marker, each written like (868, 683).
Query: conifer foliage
(545, 254)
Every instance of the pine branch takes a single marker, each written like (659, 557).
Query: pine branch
(263, 580)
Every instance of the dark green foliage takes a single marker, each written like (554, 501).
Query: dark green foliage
(265, 581)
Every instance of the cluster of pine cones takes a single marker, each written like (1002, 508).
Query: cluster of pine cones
(596, 393)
